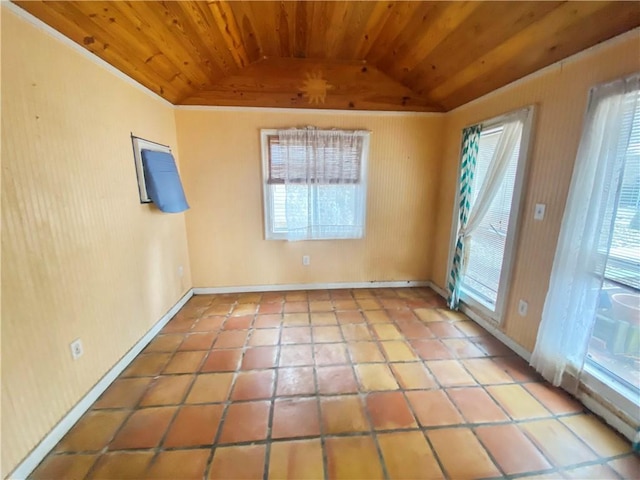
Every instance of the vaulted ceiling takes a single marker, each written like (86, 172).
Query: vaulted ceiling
(362, 55)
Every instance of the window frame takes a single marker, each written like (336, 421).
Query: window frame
(517, 203)
(268, 213)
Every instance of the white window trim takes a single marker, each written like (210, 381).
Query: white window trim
(513, 231)
(267, 216)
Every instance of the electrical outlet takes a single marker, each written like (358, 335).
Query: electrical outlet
(522, 308)
(306, 260)
(77, 350)
(538, 214)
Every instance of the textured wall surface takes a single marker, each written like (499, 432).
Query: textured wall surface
(560, 96)
(81, 256)
(222, 174)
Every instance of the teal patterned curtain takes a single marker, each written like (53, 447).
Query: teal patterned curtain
(470, 143)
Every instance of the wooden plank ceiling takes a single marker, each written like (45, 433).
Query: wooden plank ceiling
(362, 55)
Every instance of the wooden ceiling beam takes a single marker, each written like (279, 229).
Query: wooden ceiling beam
(228, 27)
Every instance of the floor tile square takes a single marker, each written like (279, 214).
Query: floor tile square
(324, 318)
(389, 411)
(336, 380)
(461, 454)
(210, 387)
(245, 422)
(347, 317)
(164, 343)
(122, 465)
(341, 305)
(295, 320)
(260, 357)
(320, 306)
(375, 376)
(198, 341)
(471, 328)
(431, 349)
(463, 348)
(386, 332)
(295, 335)
(352, 458)
(295, 417)
(208, 324)
(486, 371)
(67, 467)
(555, 399)
(265, 337)
(450, 373)
(356, 332)
(343, 414)
(296, 307)
(193, 426)
(295, 355)
(243, 309)
(123, 393)
(238, 323)
(595, 472)
(147, 365)
(433, 408)
(368, 304)
(178, 325)
(511, 449)
(143, 429)
(598, 436)
(517, 402)
(428, 315)
(230, 339)
(415, 330)
(185, 362)
(365, 352)
(239, 463)
(167, 390)
(295, 381)
(413, 376)
(269, 308)
(398, 351)
(558, 443)
(218, 309)
(93, 432)
(628, 466)
(267, 321)
(222, 361)
(330, 354)
(328, 334)
(300, 460)
(408, 455)
(182, 464)
(254, 385)
(476, 405)
(445, 330)
(296, 296)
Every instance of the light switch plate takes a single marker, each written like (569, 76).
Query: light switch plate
(539, 211)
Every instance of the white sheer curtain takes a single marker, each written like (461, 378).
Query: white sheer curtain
(509, 138)
(583, 245)
(324, 178)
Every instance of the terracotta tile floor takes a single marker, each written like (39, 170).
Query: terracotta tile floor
(333, 384)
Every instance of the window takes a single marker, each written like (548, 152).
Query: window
(314, 183)
(493, 216)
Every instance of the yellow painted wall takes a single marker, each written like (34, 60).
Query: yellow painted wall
(560, 95)
(81, 256)
(222, 176)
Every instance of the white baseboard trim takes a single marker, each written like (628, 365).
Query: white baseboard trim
(33, 459)
(308, 286)
(487, 325)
